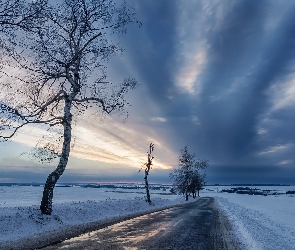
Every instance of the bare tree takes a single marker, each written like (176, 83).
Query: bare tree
(147, 169)
(186, 177)
(19, 13)
(15, 15)
(62, 74)
(197, 182)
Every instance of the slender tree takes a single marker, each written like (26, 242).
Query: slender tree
(62, 74)
(187, 176)
(147, 169)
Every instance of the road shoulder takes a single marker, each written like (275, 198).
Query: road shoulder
(223, 235)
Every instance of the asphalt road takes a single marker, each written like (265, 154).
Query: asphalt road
(191, 226)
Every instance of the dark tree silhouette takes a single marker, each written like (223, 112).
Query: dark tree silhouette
(15, 15)
(197, 182)
(147, 167)
(187, 177)
(19, 14)
(62, 74)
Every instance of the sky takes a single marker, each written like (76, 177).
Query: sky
(217, 76)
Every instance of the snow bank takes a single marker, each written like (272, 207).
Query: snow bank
(260, 222)
(17, 224)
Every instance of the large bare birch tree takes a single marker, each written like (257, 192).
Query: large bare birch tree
(61, 74)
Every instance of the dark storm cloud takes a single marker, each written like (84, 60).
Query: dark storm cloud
(250, 46)
(228, 119)
(250, 174)
(151, 46)
(244, 59)
(282, 126)
(10, 175)
(131, 175)
(231, 116)
(152, 51)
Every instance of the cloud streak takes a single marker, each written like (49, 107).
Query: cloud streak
(226, 85)
(214, 75)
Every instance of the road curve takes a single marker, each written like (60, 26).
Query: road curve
(197, 225)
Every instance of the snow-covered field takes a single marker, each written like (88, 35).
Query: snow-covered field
(259, 222)
(73, 208)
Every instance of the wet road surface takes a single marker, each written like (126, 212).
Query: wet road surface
(190, 226)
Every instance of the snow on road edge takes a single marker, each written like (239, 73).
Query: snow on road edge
(27, 228)
(255, 230)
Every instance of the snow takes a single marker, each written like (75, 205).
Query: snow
(259, 222)
(21, 218)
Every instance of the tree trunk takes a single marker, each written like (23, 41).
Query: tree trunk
(198, 193)
(186, 197)
(46, 202)
(148, 197)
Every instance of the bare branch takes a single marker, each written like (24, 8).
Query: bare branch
(18, 13)
(60, 72)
